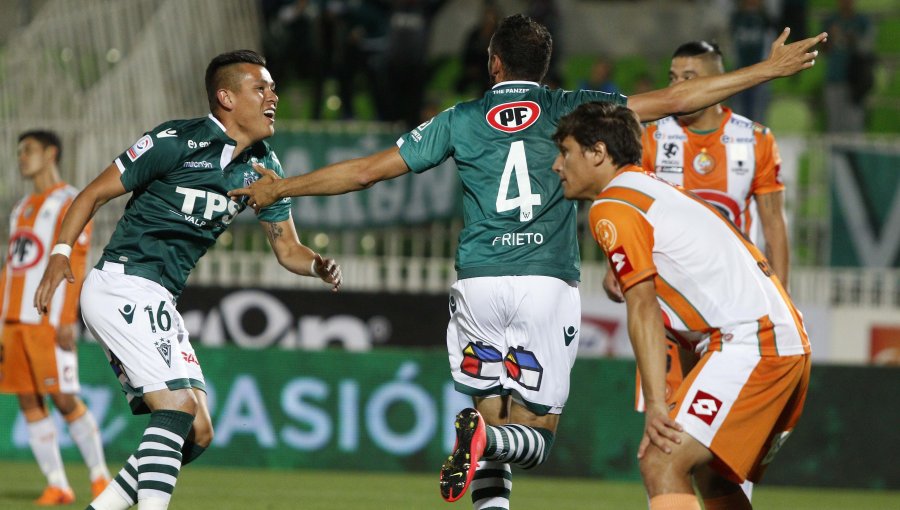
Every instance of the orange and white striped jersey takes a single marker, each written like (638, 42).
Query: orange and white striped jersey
(715, 288)
(33, 226)
(725, 167)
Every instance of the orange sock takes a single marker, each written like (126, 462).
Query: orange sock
(734, 501)
(35, 414)
(674, 502)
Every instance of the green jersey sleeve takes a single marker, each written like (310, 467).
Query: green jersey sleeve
(573, 99)
(428, 145)
(280, 210)
(147, 160)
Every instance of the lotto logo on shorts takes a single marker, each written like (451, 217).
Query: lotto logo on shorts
(481, 361)
(524, 368)
(705, 407)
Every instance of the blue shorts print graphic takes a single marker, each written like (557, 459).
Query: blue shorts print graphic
(481, 361)
(523, 367)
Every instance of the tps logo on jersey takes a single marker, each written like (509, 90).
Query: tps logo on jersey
(512, 117)
(705, 407)
(524, 368)
(704, 163)
(481, 361)
(141, 146)
(25, 250)
(606, 234)
(620, 262)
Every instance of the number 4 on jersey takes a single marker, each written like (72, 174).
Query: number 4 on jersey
(526, 199)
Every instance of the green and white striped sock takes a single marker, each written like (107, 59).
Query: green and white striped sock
(526, 447)
(491, 486)
(159, 457)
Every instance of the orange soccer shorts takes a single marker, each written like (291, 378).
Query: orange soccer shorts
(742, 407)
(31, 361)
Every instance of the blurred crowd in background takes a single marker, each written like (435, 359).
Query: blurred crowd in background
(369, 59)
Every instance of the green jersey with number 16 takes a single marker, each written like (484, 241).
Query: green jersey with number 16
(180, 174)
(517, 221)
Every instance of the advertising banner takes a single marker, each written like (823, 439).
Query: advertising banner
(865, 207)
(393, 409)
(313, 320)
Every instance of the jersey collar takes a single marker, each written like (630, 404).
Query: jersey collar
(504, 84)
(220, 130)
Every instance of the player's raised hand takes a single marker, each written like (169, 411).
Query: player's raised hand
(659, 430)
(789, 59)
(57, 269)
(328, 270)
(260, 193)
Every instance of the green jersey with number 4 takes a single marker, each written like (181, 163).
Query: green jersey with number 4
(179, 175)
(517, 221)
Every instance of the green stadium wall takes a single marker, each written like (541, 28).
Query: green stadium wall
(392, 410)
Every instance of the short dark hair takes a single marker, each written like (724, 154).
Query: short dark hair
(216, 72)
(698, 49)
(616, 126)
(46, 138)
(524, 46)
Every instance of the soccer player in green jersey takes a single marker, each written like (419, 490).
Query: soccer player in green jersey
(515, 309)
(179, 175)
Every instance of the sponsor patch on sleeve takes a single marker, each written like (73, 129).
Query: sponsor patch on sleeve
(141, 146)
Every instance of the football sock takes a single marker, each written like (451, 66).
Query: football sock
(190, 451)
(674, 502)
(734, 501)
(159, 457)
(86, 435)
(45, 446)
(491, 486)
(523, 446)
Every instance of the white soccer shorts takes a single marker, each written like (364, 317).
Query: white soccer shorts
(514, 335)
(142, 333)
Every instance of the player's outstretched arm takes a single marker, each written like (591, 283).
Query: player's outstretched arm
(298, 258)
(104, 188)
(692, 95)
(645, 327)
(336, 179)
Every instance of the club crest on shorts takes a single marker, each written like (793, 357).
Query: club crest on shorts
(164, 347)
(524, 368)
(705, 407)
(481, 361)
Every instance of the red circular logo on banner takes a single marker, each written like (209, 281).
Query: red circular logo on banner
(512, 117)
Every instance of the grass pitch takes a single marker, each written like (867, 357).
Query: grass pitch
(208, 488)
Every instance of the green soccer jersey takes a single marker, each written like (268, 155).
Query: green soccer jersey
(517, 221)
(179, 175)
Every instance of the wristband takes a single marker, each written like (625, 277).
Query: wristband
(312, 268)
(62, 249)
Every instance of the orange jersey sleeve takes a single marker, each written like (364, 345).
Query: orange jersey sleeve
(768, 163)
(626, 237)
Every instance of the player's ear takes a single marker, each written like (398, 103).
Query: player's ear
(599, 153)
(223, 96)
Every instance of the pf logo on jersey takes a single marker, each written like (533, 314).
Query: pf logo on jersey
(512, 117)
(25, 250)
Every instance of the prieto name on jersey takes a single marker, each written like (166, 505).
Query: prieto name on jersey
(513, 117)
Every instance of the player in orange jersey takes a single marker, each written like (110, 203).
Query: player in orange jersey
(38, 352)
(684, 267)
(726, 159)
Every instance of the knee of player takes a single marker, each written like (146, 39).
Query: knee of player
(656, 465)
